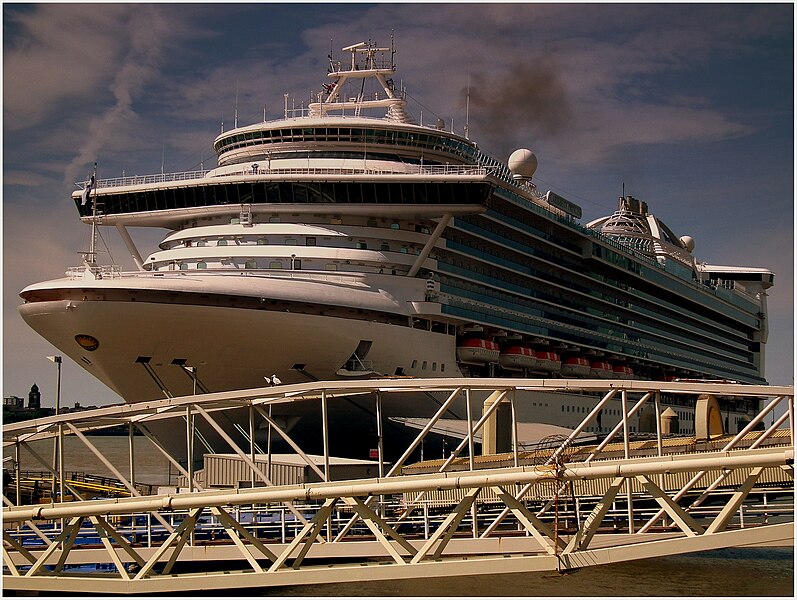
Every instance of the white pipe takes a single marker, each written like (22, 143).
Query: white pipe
(771, 457)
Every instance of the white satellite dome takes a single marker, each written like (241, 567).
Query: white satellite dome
(688, 242)
(522, 163)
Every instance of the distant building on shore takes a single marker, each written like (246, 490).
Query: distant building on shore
(14, 402)
(14, 408)
(34, 398)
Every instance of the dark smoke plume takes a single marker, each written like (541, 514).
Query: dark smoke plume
(522, 104)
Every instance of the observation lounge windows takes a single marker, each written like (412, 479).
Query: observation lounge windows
(251, 264)
(202, 265)
(293, 192)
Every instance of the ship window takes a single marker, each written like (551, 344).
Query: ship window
(251, 264)
(415, 363)
(201, 243)
(310, 241)
(183, 266)
(403, 250)
(262, 241)
(296, 264)
(222, 243)
(423, 366)
(362, 245)
(442, 367)
(372, 223)
(395, 226)
(331, 267)
(385, 247)
(273, 219)
(275, 264)
(290, 241)
(434, 366)
(202, 265)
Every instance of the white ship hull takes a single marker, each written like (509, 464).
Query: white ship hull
(231, 348)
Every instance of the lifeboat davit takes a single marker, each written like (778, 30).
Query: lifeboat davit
(601, 370)
(575, 366)
(623, 372)
(548, 361)
(477, 350)
(517, 358)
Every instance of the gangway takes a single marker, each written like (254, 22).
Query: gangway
(555, 509)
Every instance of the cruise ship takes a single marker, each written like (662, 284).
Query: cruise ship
(346, 240)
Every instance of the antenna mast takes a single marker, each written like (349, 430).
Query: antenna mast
(236, 104)
(91, 257)
(467, 108)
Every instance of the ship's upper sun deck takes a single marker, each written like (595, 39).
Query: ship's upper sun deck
(342, 134)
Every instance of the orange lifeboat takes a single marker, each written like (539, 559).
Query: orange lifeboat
(548, 361)
(517, 358)
(478, 351)
(601, 370)
(623, 372)
(575, 366)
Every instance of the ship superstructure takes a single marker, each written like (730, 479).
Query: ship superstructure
(335, 244)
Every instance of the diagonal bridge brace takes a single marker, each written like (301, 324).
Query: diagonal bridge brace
(541, 532)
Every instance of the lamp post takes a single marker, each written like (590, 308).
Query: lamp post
(58, 444)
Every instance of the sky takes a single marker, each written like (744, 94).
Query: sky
(689, 107)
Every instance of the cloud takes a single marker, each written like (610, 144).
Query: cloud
(57, 54)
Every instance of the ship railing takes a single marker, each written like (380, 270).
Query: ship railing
(99, 272)
(115, 272)
(144, 179)
(256, 169)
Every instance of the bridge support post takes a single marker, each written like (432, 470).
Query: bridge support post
(497, 433)
(708, 418)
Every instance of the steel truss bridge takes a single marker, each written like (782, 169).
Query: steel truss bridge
(556, 508)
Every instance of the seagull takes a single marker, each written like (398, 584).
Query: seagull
(268, 380)
(275, 380)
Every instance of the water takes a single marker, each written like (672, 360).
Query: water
(730, 572)
(151, 466)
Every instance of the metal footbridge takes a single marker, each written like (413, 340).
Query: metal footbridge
(557, 507)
